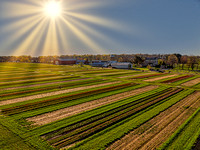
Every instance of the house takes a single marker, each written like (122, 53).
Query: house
(65, 61)
(122, 65)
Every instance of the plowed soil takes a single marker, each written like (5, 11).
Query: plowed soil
(156, 131)
(160, 78)
(192, 82)
(66, 112)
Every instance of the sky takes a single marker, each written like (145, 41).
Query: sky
(100, 27)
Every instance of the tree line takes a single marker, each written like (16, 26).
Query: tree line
(166, 60)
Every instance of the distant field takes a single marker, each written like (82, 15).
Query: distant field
(46, 107)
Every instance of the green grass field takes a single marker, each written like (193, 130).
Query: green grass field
(45, 106)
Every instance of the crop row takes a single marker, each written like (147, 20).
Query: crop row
(146, 76)
(28, 77)
(78, 101)
(115, 109)
(42, 130)
(46, 87)
(35, 81)
(118, 74)
(186, 135)
(115, 116)
(48, 102)
(104, 138)
(177, 79)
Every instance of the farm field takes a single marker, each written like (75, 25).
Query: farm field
(47, 107)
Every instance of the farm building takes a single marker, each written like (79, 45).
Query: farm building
(122, 65)
(98, 63)
(65, 61)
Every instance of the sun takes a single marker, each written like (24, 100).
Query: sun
(53, 8)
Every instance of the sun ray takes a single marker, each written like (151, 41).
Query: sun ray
(25, 36)
(96, 20)
(85, 39)
(94, 33)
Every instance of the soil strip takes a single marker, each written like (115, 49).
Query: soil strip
(22, 99)
(160, 78)
(66, 112)
(192, 82)
(154, 132)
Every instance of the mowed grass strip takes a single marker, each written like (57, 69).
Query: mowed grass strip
(104, 138)
(12, 137)
(27, 77)
(35, 81)
(40, 104)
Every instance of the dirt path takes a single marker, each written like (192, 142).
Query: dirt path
(16, 100)
(154, 132)
(49, 83)
(160, 78)
(192, 82)
(66, 112)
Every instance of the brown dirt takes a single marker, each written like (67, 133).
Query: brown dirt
(22, 99)
(35, 85)
(192, 82)
(154, 132)
(66, 112)
(160, 78)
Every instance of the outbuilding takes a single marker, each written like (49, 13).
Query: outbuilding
(61, 61)
(122, 65)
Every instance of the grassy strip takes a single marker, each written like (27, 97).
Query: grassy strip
(74, 102)
(95, 112)
(45, 103)
(51, 88)
(69, 137)
(35, 81)
(29, 77)
(186, 135)
(120, 74)
(104, 138)
(15, 138)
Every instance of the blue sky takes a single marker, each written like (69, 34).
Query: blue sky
(102, 27)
